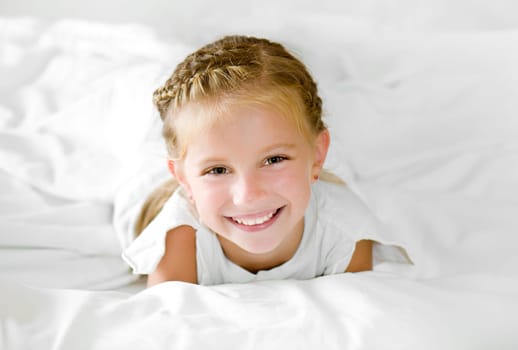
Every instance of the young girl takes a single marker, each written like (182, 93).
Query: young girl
(242, 121)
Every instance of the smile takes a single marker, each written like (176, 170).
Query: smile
(256, 221)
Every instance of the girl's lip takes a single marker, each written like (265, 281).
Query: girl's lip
(258, 227)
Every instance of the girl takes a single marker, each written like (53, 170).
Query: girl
(242, 121)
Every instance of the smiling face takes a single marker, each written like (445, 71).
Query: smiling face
(250, 176)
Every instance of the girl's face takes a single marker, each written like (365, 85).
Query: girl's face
(250, 176)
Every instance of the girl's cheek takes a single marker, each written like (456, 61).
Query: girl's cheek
(209, 193)
(294, 175)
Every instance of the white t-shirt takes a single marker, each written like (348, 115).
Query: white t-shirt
(334, 221)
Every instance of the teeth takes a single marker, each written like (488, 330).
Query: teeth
(255, 221)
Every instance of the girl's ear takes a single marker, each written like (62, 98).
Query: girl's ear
(171, 166)
(321, 147)
(176, 171)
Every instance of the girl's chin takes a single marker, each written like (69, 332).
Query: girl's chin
(250, 243)
(259, 250)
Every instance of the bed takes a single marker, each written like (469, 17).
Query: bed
(421, 102)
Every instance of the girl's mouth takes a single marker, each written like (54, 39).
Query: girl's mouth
(256, 223)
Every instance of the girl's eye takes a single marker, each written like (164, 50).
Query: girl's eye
(217, 171)
(274, 160)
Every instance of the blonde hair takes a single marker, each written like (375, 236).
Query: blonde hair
(232, 70)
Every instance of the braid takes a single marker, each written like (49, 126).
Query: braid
(229, 64)
(211, 69)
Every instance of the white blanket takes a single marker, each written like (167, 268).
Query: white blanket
(424, 129)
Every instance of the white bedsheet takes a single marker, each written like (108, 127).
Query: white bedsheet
(424, 129)
(364, 311)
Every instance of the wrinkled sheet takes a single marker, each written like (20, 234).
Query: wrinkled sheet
(424, 130)
(363, 311)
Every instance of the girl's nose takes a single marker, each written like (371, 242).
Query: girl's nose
(248, 188)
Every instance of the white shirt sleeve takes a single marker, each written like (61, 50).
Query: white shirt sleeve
(146, 251)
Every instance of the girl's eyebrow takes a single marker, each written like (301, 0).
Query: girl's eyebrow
(270, 148)
(278, 146)
(210, 160)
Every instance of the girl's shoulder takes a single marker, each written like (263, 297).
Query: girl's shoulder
(338, 219)
(340, 205)
(342, 214)
(145, 252)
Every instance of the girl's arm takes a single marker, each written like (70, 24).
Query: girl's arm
(362, 257)
(179, 260)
